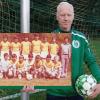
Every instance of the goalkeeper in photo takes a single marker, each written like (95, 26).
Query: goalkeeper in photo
(81, 53)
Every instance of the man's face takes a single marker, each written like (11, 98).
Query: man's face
(5, 39)
(66, 40)
(37, 38)
(16, 40)
(14, 58)
(45, 40)
(54, 40)
(21, 59)
(26, 39)
(6, 57)
(48, 59)
(65, 16)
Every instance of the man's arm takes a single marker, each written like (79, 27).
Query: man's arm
(91, 62)
(94, 68)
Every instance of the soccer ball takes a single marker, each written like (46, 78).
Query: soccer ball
(19, 76)
(84, 85)
(29, 76)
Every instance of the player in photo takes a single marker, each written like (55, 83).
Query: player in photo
(57, 67)
(12, 63)
(38, 67)
(65, 50)
(5, 64)
(49, 66)
(36, 45)
(16, 47)
(29, 62)
(54, 48)
(4, 46)
(20, 65)
(44, 47)
(25, 47)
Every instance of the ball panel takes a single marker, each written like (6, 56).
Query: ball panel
(84, 85)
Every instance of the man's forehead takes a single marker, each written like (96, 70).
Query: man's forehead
(65, 6)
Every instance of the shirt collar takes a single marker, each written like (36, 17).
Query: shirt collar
(61, 31)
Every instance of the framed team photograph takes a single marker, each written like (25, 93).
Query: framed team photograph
(35, 59)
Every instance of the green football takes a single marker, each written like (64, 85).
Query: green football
(84, 85)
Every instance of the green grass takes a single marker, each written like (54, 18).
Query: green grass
(95, 45)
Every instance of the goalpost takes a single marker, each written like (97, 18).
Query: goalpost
(25, 16)
(25, 28)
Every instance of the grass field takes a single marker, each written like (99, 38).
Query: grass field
(95, 45)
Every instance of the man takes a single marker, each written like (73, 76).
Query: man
(57, 67)
(29, 62)
(44, 47)
(4, 47)
(65, 50)
(38, 67)
(80, 53)
(25, 47)
(36, 45)
(49, 66)
(16, 47)
(5, 64)
(20, 65)
(53, 48)
(12, 63)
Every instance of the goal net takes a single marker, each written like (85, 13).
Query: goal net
(42, 19)
(9, 16)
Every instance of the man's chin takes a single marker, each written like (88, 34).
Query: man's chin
(65, 28)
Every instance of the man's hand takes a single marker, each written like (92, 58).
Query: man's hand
(96, 91)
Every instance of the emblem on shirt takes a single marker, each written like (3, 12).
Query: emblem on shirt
(76, 43)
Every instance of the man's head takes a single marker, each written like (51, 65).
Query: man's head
(5, 38)
(37, 58)
(16, 39)
(21, 58)
(66, 40)
(36, 37)
(14, 57)
(6, 56)
(65, 15)
(53, 40)
(45, 39)
(26, 39)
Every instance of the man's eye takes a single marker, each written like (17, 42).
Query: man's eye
(69, 15)
(62, 15)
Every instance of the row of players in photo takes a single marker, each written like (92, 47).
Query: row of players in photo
(36, 46)
(37, 68)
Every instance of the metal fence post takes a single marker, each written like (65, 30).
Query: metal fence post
(25, 28)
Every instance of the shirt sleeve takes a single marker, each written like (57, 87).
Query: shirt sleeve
(91, 62)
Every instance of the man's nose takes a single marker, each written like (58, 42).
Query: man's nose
(66, 17)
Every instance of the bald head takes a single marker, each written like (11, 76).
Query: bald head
(65, 5)
(65, 15)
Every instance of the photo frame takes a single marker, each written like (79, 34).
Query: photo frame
(47, 66)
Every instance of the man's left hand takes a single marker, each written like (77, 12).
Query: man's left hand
(96, 91)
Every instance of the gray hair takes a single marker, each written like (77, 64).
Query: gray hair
(65, 4)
